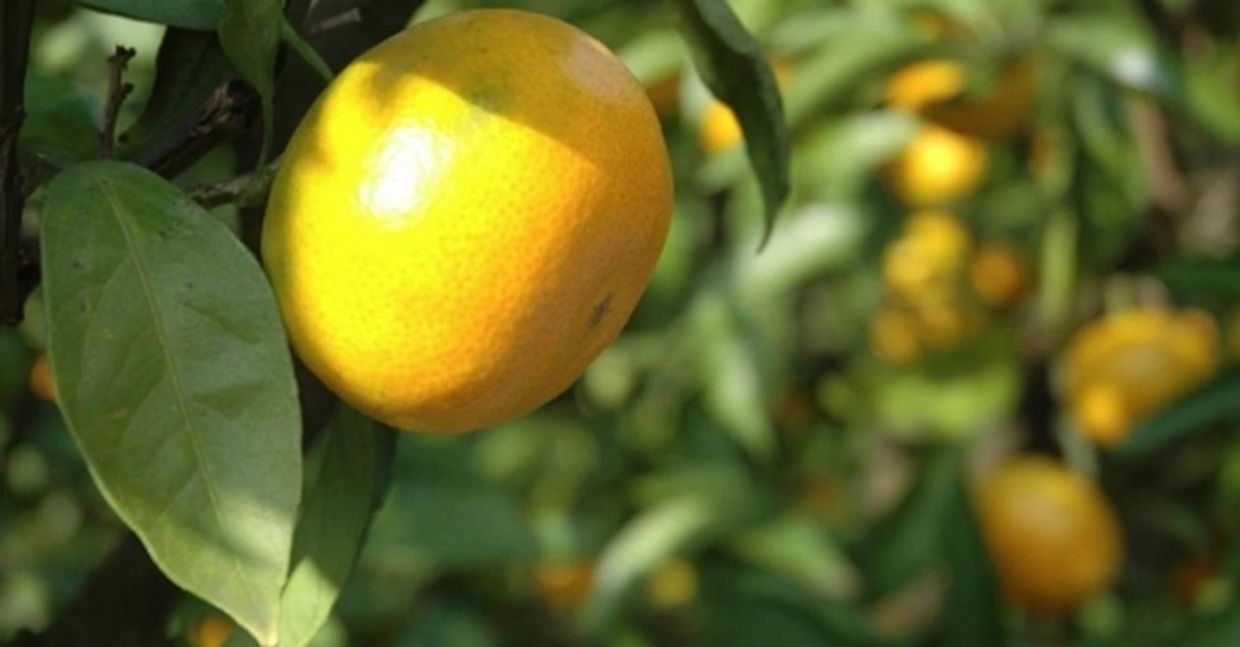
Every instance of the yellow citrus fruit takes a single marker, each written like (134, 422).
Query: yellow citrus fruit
(1052, 536)
(1000, 274)
(927, 256)
(893, 336)
(1128, 365)
(41, 383)
(1000, 112)
(941, 322)
(674, 584)
(564, 585)
(923, 83)
(938, 166)
(212, 631)
(453, 238)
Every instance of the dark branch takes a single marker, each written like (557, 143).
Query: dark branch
(15, 21)
(248, 190)
(118, 90)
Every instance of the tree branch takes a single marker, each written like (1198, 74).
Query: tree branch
(118, 90)
(247, 190)
(16, 17)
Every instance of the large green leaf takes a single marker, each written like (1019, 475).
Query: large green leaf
(1215, 280)
(733, 66)
(336, 511)
(176, 381)
(1217, 401)
(203, 15)
(972, 611)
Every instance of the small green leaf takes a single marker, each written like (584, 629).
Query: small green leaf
(972, 612)
(201, 15)
(190, 66)
(336, 511)
(250, 35)
(1215, 402)
(802, 550)
(912, 539)
(1203, 279)
(733, 66)
(175, 379)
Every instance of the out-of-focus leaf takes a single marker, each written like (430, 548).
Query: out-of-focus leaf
(1215, 402)
(336, 510)
(654, 535)
(733, 66)
(805, 244)
(1222, 630)
(971, 613)
(447, 625)
(912, 539)
(203, 15)
(1203, 279)
(175, 378)
(189, 67)
(250, 36)
(60, 120)
(459, 524)
(653, 56)
(829, 78)
(730, 374)
(1117, 46)
(801, 550)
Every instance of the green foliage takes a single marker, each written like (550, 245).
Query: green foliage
(748, 433)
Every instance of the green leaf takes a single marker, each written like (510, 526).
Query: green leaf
(1221, 630)
(202, 15)
(175, 379)
(912, 540)
(250, 35)
(971, 612)
(190, 66)
(1215, 402)
(1203, 278)
(733, 66)
(802, 550)
(336, 511)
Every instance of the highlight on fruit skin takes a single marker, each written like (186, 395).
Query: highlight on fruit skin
(937, 167)
(1128, 365)
(453, 239)
(1052, 536)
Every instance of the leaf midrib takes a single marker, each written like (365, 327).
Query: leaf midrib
(179, 390)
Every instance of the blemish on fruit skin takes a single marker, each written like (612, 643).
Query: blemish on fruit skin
(600, 311)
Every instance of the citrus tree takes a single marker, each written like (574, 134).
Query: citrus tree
(390, 322)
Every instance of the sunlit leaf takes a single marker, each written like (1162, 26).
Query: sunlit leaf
(175, 378)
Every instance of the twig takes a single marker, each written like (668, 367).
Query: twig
(16, 17)
(229, 111)
(118, 90)
(248, 190)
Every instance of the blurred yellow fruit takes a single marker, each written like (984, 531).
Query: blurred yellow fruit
(925, 82)
(893, 336)
(41, 383)
(928, 254)
(452, 239)
(718, 129)
(1000, 112)
(211, 631)
(938, 166)
(564, 585)
(1052, 536)
(674, 584)
(1128, 365)
(941, 323)
(1000, 274)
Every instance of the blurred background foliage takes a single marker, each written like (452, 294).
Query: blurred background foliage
(1013, 231)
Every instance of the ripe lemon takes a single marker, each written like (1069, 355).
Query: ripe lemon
(466, 218)
(1130, 364)
(938, 166)
(935, 88)
(927, 256)
(1051, 534)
